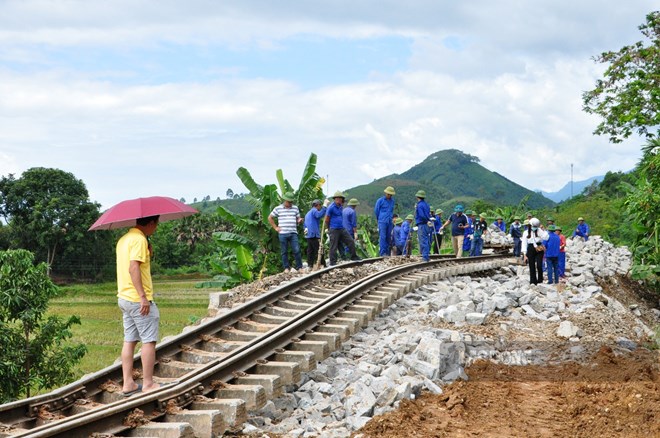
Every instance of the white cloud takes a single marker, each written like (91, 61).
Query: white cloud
(499, 80)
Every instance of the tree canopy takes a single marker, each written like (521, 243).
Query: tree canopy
(628, 96)
(48, 211)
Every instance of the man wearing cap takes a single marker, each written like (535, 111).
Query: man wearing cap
(288, 218)
(437, 231)
(582, 229)
(334, 221)
(552, 248)
(383, 210)
(312, 232)
(406, 231)
(458, 223)
(479, 227)
(397, 247)
(349, 217)
(516, 233)
(499, 223)
(424, 225)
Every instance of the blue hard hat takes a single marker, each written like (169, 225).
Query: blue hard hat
(458, 208)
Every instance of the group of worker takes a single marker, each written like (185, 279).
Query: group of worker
(395, 233)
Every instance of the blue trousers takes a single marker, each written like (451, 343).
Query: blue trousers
(477, 246)
(516, 246)
(562, 264)
(286, 240)
(384, 237)
(553, 268)
(423, 233)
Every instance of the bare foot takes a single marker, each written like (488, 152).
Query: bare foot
(152, 387)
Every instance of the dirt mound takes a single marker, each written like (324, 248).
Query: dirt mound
(609, 396)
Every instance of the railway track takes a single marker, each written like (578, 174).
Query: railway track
(234, 363)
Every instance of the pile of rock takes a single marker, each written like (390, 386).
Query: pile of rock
(497, 237)
(428, 337)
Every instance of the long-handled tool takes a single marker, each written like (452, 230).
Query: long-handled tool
(317, 265)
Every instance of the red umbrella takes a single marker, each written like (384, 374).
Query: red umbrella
(125, 213)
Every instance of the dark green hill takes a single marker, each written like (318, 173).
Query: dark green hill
(448, 177)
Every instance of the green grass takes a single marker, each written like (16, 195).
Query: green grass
(180, 304)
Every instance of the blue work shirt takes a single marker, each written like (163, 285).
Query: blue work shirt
(396, 233)
(438, 222)
(552, 245)
(516, 230)
(349, 220)
(582, 229)
(422, 212)
(312, 222)
(405, 230)
(456, 220)
(336, 217)
(384, 209)
(501, 226)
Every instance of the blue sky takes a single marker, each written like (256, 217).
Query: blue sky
(141, 98)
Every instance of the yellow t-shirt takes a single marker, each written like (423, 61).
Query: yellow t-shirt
(133, 246)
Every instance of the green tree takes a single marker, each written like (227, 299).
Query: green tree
(628, 96)
(251, 248)
(34, 354)
(49, 212)
(643, 206)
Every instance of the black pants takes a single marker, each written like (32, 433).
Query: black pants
(436, 242)
(535, 260)
(313, 244)
(340, 236)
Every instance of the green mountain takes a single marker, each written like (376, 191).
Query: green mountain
(448, 177)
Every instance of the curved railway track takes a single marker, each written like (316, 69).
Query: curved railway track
(234, 363)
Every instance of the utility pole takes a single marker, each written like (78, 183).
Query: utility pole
(571, 180)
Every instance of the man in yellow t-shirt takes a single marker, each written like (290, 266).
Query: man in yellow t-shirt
(135, 298)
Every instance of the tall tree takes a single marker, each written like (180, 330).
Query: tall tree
(628, 96)
(34, 350)
(48, 210)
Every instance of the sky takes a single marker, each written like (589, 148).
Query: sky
(141, 98)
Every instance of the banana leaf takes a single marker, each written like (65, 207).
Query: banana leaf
(233, 240)
(254, 188)
(245, 262)
(285, 186)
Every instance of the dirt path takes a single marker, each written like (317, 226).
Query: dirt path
(612, 396)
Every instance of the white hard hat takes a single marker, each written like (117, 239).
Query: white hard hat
(535, 222)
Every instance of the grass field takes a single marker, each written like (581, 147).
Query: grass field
(180, 304)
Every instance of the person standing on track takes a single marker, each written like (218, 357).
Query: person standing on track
(334, 221)
(136, 300)
(288, 218)
(384, 209)
(458, 223)
(424, 225)
(312, 232)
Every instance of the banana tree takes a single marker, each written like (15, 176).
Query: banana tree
(251, 245)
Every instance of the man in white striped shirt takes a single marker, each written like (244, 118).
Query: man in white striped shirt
(288, 218)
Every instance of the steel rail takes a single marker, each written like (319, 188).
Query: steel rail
(23, 412)
(109, 419)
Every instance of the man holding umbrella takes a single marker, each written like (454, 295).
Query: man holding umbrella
(140, 313)
(134, 286)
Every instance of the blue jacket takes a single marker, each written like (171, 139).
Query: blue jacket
(455, 221)
(501, 226)
(552, 245)
(384, 209)
(312, 222)
(516, 230)
(396, 233)
(349, 219)
(336, 221)
(422, 212)
(405, 230)
(581, 230)
(438, 222)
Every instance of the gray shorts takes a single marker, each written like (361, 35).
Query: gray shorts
(139, 327)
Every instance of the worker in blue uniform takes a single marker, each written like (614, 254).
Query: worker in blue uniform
(384, 209)
(334, 222)
(424, 225)
(582, 229)
(436, 241)
(397, 243)
(499, 223)
(312, 232)
(406, 231)
(468, 231)
(349, 217)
